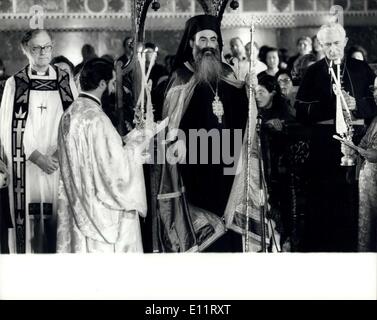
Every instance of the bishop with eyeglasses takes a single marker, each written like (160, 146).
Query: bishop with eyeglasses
(34, 100)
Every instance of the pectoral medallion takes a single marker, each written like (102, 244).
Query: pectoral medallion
(217, 108)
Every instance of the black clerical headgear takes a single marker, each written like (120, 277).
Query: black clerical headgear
(193, 26)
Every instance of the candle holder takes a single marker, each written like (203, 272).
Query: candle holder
(144, 118)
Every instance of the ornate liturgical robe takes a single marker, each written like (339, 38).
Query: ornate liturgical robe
(30, 112)
(102, 190)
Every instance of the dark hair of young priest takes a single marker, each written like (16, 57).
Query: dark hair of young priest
(93, 72)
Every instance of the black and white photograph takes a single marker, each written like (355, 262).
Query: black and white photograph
(175, 142)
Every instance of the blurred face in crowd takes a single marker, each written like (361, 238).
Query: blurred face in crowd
(358, 55)
(111, 84)
(237, 48)
(333, 43)
(285, 84)
(206, 53)
(272, 59)
(263, 97)
(128, 47)
(248, 51)
(304, 47)
(148, 55)
(317, 45)
(39, 50)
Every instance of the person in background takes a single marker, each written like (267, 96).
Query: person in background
(128, 51)
(262, 52)
(125, 85)
(300, 67)
(288, 90)
(158, 71)
(272, 105)
(271, 61)
(64, 64)
(357, 52)
(283, 58)
(227, 57)
(169, 60)
(273, 110)
(317, 48)
(238, 60)
(88, 52)
(367, 231)
(259, 66)
(304, 46)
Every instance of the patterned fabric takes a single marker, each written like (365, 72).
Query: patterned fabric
(178, 226)
(181, 89)
(22, 91)
(102, 186)
(368, 195)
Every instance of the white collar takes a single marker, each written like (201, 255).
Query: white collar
(90, 96)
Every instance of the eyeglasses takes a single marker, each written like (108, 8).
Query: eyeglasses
(284, 81)
(38, 49)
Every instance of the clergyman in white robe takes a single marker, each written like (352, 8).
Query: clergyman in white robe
(30, 112)
(102, 190)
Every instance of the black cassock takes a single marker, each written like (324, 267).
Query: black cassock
(332, 208)
(206, 185)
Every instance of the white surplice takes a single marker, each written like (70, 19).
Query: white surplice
(41, 131)
(102, 190)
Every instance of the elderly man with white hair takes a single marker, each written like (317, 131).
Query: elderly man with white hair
(33, 101)
(333, 202)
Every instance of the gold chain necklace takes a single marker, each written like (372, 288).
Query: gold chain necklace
(217, 105)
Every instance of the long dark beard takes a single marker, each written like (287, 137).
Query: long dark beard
(208, 67)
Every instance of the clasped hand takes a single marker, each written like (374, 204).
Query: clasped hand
(4, 175)
(48, 164)
(275, 124)
(351, 101)
(251, 80)
(370, 155)
(139, 141)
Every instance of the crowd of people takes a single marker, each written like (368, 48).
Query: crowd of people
(72, 181)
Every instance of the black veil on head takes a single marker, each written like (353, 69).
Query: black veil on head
(193, 26)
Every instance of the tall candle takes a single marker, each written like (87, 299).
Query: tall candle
(142, 83)
(152, 62)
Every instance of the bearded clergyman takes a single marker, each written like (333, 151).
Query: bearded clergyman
(203, 95)
(101, 190)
